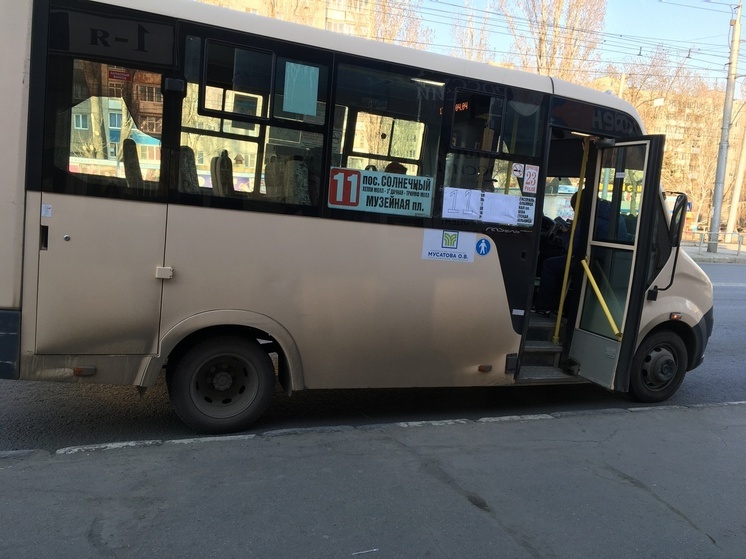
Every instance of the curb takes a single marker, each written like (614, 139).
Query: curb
(348, 428)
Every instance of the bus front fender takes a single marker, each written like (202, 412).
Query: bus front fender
(694, 326)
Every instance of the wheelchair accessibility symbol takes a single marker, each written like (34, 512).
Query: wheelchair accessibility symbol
(483, 247)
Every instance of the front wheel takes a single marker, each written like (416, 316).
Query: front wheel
(658, 367)
(221, 385)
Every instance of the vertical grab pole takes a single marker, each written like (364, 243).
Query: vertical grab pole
(568, 259)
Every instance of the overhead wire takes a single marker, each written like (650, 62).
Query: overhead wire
(701, 55)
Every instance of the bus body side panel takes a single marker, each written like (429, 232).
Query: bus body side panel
(15, 30)
(361, 304)
(97, 291)
(70, 316)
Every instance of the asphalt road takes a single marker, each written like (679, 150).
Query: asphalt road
(50, 416)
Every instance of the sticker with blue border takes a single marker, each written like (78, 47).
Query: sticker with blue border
(483, 247)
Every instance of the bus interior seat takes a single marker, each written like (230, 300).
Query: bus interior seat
(274, 178)
(188, 181)
(221, 170)
(296, 182)
(132, 172)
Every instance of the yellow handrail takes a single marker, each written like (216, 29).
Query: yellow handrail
(601, 300)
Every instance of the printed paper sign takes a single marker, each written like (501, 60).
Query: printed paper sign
(488, 207)
(500, 208)
(526, 210)
(518, 170)
(386, 193)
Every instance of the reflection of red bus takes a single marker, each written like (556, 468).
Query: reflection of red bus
(243, 181)
(112, 168)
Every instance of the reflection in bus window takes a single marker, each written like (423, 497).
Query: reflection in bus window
(115, 127)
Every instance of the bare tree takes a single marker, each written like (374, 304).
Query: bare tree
(389, 21)
(555, 37)
(96, 147)
(471, 35)
(677, 102)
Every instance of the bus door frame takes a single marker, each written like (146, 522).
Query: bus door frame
(605, 358)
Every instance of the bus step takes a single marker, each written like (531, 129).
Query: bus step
(542, 327)
(537, 374)
(541, 353)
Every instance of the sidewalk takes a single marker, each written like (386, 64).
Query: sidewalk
(726, 253)
(661, 481)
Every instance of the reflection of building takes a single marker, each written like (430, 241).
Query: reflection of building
(352, 17)
(111, 104)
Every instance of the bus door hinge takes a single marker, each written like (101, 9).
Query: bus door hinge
(164, 272)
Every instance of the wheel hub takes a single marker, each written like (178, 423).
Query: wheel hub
(222, 381)
(660, 367)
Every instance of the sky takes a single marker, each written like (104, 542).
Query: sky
(696, 31)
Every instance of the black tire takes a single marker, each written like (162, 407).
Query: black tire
(221, 385)
(658, 367)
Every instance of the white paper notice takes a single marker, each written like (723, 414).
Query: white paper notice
(500, 208)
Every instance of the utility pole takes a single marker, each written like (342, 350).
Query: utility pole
(730, 226)
(717, 196)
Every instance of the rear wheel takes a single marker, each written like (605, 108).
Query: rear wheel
(221, 385)
(658, 368)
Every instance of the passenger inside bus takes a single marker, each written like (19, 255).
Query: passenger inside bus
(552, 268)
(396, 167)
(552, 271)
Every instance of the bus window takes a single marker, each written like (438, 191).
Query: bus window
(524, 122)
(477, 121)
(292, 168)
(204, 136)
(114, 116)
(379, 139)
(384, 121)
(487, 123)
(230, 124)
(237, 80)
(620, 191)
(486, 189)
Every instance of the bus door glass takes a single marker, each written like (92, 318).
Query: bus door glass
(604, 320)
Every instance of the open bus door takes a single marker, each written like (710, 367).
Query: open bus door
(612, 293)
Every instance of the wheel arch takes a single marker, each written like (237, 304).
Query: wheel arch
(683, 331)
(215, 324)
